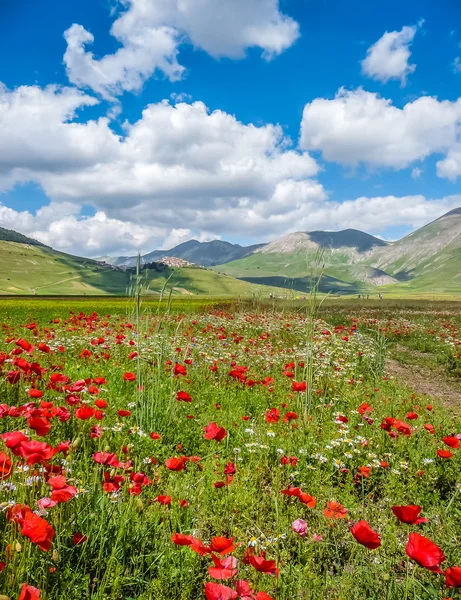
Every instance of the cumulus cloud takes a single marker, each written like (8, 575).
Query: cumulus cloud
(38, 134)
(177, 167)
(150, 34)
(450, 167)
(389, 57)
(361, 127)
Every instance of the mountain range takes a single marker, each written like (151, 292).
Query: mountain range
(350, 261)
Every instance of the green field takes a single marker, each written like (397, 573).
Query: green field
(37, 270)
(196, 448)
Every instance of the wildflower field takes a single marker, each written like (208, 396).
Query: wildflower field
(226, 452)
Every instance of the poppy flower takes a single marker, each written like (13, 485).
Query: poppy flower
(444, 453)
(222, 545)
(273, 415)
(182, 540)
(334, 510)
(33, 393)
(164, 500)
(179, 369)
(175, 464)
(84, 413)
(264, 566)
(453, 577)
(430, 428)
(128, 376)
(217, 591)
(223, 568)
(214, 432)
(38, 530)
(6, 466)
(28, 592)
(40, 425)
(409, 514)
(424, 552)
(450, 441)
(182, 396)
(365, 535)
(300, 386)
(79, 538)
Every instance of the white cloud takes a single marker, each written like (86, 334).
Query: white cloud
(150, 33)
(450, 167)
(457, 65)
(361, 127)
(389, 57)
(177, 167)
(416, 173)
(38, 134)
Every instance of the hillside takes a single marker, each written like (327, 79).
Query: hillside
(38, 270)
(356, 262)
(8, 235)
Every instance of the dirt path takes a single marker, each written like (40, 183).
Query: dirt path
(424, 381)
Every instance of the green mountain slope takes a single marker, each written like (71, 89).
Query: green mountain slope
(35, 269)
(354, 262)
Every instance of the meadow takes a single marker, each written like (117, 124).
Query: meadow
(209, 449)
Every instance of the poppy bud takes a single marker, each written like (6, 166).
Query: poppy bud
(18, 547)
(2, 597)
(139, 504)
(75, 444)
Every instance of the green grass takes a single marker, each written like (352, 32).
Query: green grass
(36, 270)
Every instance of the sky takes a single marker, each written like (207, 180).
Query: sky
(131, 125)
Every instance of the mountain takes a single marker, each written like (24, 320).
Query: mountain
(30, 268)
(348, 241)
(356, 262)
(206, 254)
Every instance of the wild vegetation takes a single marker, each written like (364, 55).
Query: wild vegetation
(190, 450)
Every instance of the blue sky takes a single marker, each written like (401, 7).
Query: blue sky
(84, 169)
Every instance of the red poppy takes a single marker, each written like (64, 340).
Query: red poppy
(175, 464)
(36, 452)
(79, 538)
(36, 529)
(28, 592)
(84, 413)
(264, 566)
(179, 369)
(182, 540)
(223, 568)
(6, 466)
(430, 428)
(450, 441)
(453, 577)
(214, 432)
(222, 545)
(444, 453)
(40, 425)
(334, 510)
(273, 415)
(165, 500)
(300, 386)
(33, 393)
(182, 396)
(409, 514)
(216, 591)
(424, 552)
(129, 376)
(365, 535)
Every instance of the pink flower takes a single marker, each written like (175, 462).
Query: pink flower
(300, 526)
(317, 537)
